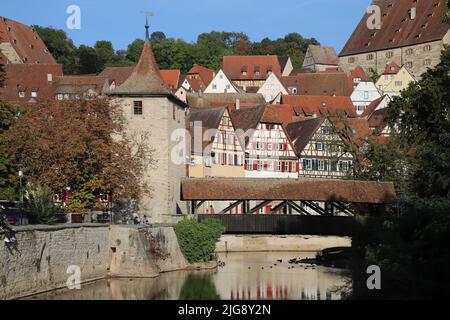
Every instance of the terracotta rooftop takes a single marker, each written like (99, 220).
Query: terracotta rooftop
(320, 83)
(206, 100)
(145, 79)
(357, 73)
(378, 119)
(323, 54)
(248, 118)
(229, 189)
(80, 84)
(320, 105)
(20, 43)
(30, 77)
(372, 106)
(398, 28)
(235, 66)
(301, 132)
(206, 75)
(391, 68)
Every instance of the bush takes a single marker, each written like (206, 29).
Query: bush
(198, 240)
(40, 205)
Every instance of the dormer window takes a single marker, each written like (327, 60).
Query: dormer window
(257, 71)
(269, 70)
(34, 93)
(244, 71)
(21, 93)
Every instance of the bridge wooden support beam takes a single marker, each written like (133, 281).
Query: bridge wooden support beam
(314, 207)
(298, 208)
(231, 207)
(259, 206)
(282, 205)
(343, 208)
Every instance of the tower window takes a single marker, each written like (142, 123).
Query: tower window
(138, 107)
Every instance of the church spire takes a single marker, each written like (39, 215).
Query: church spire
(147, 34)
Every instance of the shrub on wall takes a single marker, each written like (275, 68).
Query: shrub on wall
(198, 240)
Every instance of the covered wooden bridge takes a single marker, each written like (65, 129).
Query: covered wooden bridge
(297, 198)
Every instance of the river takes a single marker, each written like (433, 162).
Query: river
(244, 276)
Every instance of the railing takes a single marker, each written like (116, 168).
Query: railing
(285, 224)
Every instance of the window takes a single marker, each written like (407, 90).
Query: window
(356, 80)
(138, 108)
(279, 166)
(221, 76)
(427, 48)
(307, 164)
(214, 86)
(409, 52)
(389, 54)
(427, 62)
(398, 83)
(271, 166)
(343, 166)
(327, 131)
(269, 146)
(22, 93)
(103, 197)
(409, 64)
(208, 161)
(319, 146)
(259, 146)
(228, 87)
(369, 57)
(226, 121)
(351, 60)
(361, 108)
(294, 90)
(280, 147)
(59, 96)
(366, 95)
(231, 160)
(34, 94)
(321, 165)
(260, 165)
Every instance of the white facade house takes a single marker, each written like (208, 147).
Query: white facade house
(364, 93)
(272, 88)
(221, 84)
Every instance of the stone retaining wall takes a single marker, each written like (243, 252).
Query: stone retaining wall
(40, 260)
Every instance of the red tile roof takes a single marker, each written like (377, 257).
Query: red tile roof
(398, 29)
(146, 78)
(301, 132)
(171, 78)
(25, 41)
(357, 73)
(80, 84)
(320, 105)
(233, 67)
(285, 113)
(29, 77)
(117, 74)
(320, 83)
(206, 75)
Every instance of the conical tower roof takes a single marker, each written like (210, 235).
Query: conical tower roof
(146, 78)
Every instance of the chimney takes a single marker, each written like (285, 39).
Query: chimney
(238, 104)
(49, 77)
(412, 13)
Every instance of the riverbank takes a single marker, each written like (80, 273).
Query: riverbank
(270, 243)
(46, 256)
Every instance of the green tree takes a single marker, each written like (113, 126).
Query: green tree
(410, 243)
(134, 50)
(89, 61)
(199, 287)
(447, 14)
(39, 202)
(61, 47)
(105, 53)
(8, 172)
(157, 37)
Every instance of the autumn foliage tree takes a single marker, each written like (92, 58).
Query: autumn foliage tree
(79, 144)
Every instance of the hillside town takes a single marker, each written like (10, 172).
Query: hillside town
(296, 115)
(249, 176)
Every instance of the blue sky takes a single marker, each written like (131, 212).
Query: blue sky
(329, 21)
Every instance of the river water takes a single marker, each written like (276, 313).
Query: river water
(245, 276)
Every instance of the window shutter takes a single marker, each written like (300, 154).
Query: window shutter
(315, 165)
(304, 164)
(255, 165)
(283, 166)
(297, 167)
(266, 165)
(325, 163)
(285, 147)
(290, 166)
(245, 165)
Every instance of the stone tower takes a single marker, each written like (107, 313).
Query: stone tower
(152, 110)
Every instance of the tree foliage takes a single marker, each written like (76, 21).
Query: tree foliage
(198, 240)
(78, 144)
(410, 242)
(170, 53)
(2, 75)
(40, 204)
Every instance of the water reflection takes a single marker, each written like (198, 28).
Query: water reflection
(245, 276)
